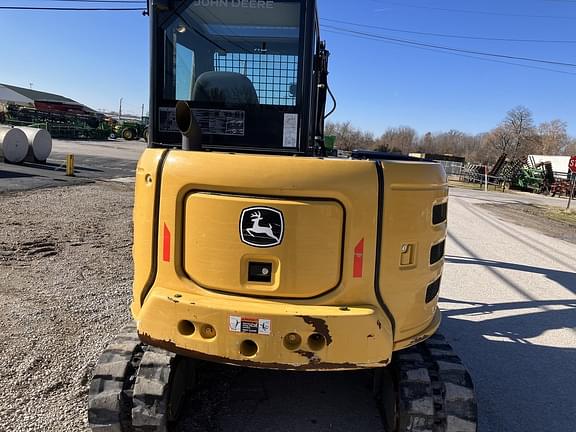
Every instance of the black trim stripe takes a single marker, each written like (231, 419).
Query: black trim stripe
(380, 224)
(155, 229)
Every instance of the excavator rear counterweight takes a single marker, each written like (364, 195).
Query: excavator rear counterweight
(255, 247)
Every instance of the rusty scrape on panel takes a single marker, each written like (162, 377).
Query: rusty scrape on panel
(310, 366)
(320, 327)
(312, 357)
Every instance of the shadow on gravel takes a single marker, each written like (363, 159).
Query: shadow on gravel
(229, 398)
(564, 278)
(521, 385)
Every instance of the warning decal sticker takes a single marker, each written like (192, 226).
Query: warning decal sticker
(290, 130)
(167, 120)
(250, 325)
(220, 122)
(211, 122)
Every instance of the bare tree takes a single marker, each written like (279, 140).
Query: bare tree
(570, 149)
(501, 140)
(349, 138)
(553, 137)
(516, 135)
(401, 139)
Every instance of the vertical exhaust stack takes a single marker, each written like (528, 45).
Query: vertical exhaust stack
(189, 128)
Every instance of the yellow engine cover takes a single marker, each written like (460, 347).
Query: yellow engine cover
(284, 262)
(215, 257)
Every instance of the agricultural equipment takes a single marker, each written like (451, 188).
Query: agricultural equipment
(252, 248)
(131, 130)
(59, 124)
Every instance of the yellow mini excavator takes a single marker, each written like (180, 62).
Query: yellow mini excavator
(254, 247)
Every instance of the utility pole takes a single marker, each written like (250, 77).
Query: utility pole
(572, 172)
(572, 189)
(142, 116)
(120, 110)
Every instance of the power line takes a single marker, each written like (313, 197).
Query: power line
(453, 53)
(444, 35)
(35, 8)
(94, 1)
(441, 47)
(470, 11)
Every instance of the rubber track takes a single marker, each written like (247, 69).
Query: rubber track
(151, 391)
(435, 392)
(110, 394)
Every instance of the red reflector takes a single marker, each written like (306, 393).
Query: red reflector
(358, 259)
(166, 250)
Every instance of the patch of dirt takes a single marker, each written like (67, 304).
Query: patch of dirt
(550, 221)
(65, 288)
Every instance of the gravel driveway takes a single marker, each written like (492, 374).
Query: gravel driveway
(65, 280)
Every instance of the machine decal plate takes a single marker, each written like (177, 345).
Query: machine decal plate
(290, 130)
(261, 227)
(220, 122)
(211, 121)
(167, 120)
(250, 325)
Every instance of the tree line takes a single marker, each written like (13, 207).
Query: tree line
(517, 136)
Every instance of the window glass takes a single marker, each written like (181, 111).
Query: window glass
(233, 51)
(184, 71)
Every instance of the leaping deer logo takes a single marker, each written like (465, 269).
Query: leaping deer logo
(256, 218)
(261, 227)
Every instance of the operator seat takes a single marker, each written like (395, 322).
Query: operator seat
(230, 88)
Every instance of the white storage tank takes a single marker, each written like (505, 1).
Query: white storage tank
(40, 142)
(13, 144)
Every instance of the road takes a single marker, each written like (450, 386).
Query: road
(509, 300)
(93, 160)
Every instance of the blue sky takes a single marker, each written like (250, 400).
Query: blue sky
(99, 57)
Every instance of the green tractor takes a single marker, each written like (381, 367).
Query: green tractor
(131, 130)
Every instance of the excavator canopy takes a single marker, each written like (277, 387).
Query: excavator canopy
(245, 67)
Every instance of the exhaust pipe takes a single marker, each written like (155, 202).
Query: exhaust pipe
(189, 128)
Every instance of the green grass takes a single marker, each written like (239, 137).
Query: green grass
(473, 186)
(561, 215)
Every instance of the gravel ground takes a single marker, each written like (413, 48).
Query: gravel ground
(65, 280)
(534, 217)
(65, 275)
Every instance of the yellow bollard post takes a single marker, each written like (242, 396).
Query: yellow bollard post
(70, 165)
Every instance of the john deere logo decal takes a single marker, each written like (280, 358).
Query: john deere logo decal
(261, 227)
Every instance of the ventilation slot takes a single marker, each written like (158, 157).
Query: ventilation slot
(439, 213)
(437, 252)
(432, 290)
